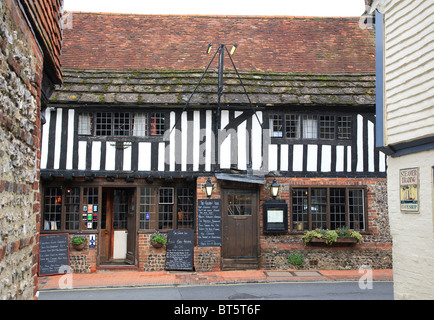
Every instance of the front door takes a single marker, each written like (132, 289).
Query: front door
(118, 228)
(240, 229)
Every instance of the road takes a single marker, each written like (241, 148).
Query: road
(324, 290)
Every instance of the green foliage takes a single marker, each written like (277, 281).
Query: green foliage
(157, 237)
(331, 236)
(296, 259)
(309, 235)
(78, 240)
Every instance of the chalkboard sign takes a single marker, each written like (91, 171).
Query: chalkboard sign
(53, 254)
(209, 222)
(179, 250)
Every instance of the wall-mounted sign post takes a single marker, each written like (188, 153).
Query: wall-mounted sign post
(275, 216)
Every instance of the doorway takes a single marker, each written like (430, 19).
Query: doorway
(118, 226)
(240, 229)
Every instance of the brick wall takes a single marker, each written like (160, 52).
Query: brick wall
(150, 258)
(375, 250)
(21, 72)
(82, 261)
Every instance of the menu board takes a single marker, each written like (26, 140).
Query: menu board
(179, 250)
(53, 254)
(209, 223)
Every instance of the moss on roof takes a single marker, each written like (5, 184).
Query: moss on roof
(167, 87)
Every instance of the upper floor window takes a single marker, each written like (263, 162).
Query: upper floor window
(303, 126)
(121, 124)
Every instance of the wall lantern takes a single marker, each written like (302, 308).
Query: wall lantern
(274, 189)
(208, 188)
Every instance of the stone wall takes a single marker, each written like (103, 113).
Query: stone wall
(82, 261)
(20, 84)
(375, 250)
(150, 258)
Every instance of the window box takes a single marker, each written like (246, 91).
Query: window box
(339, 240)
(332, 237)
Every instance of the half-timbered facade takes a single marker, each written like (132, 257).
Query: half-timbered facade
(127, 153)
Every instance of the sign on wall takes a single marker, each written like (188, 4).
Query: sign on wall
(209, 222)
(409, 189)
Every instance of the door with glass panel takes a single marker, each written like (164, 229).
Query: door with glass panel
(118, 227)
(240, 229)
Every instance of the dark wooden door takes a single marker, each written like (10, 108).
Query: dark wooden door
(105, 252)
(240, 229)
(132, 232)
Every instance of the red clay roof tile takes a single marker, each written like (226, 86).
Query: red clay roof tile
(169, 42)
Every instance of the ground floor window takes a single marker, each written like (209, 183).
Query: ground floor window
(163, 208)
(52, 208)
(70, 208)
(81, 209)
(328, 208)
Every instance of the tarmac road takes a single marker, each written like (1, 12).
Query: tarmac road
(309, 290)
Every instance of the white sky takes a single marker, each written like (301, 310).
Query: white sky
(323, 8)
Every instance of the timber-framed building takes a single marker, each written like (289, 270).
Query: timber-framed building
(138, 130)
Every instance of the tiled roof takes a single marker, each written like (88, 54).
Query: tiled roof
(173, 88)
(45, 17)
(269, 44)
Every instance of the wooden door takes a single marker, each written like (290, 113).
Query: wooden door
(132, 232)
(240, 229)
(105, 251)
(118, 218)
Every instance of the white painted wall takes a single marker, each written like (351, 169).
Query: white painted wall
(409, 115)
(412, 233)
(409, 70)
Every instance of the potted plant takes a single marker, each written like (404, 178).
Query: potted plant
(158, 239)
(79, 242)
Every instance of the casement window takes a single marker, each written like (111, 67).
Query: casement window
(328, 208)
(276, 125)
(308, 126)
(157, 124)
(292, 126)
(121, 124)
(64, 210)
(85, 123)
(166, 208)
(72, 209)
(344, 127)
(52, 209)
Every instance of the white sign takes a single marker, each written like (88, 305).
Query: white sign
(275, 216)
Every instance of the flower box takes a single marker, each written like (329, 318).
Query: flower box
(339, 240)
(341, 236)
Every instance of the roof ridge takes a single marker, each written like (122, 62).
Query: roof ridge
(216, 15)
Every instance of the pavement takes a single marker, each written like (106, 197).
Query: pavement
(104, 279)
